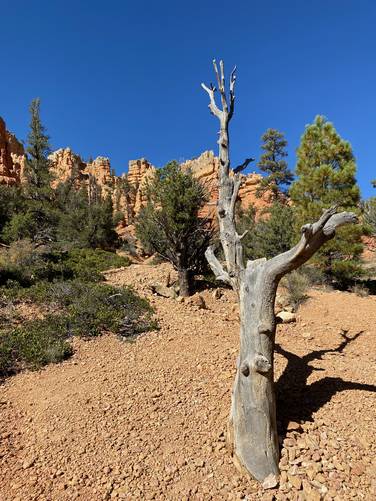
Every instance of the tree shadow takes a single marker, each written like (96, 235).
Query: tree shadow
(297, 401)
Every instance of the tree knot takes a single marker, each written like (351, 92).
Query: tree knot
(261, 364)
(244, 369)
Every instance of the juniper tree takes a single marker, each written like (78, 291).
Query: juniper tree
(273, 163)
(252, 428)
(170, 224)
(326, 171)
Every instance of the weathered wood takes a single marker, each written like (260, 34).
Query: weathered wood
(252, 430)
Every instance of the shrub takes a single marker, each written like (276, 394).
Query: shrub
(360, 290)
(296, 285)
(86, 310)
(27, 264)
(91, 308)
(315, 275)
(94, 308)
(88, 263)
(34, 344)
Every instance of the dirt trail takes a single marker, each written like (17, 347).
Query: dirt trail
(145, 420)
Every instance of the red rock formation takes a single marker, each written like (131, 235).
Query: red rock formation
(128, 190)
(205, 168)
(65, 164)
(12, 157)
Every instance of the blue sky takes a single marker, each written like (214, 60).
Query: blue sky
(122, 78)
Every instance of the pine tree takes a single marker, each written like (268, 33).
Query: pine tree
(84, 223)
(37, 170)
(271, 234)
(326, 168)
(273, 163)
(38, 218)
(170, 224)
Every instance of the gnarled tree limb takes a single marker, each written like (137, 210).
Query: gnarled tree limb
(243, 166)
(313, 237)
(216, 267)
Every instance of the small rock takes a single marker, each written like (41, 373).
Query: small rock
(270, 482)
(217, 294)
(292, 425)
(358, 469)
(285, 317)
(28, 463)
(162, 290)
(295, 481)
(197, 300)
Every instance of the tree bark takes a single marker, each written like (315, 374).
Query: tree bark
(185, 279)
(252, 430)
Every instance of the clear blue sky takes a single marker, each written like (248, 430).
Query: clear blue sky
(122, 78)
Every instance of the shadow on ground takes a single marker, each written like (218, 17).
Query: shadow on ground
(297, 401)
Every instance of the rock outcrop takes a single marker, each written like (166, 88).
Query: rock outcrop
(205, 168)
(12, 157)
(66, 164)
(128, 190)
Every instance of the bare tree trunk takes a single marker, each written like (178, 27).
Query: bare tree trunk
(252, 430)
(184, 278)
(252, 425)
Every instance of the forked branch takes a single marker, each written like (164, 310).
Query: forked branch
(313, 237)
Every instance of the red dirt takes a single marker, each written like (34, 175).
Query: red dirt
(146, 419)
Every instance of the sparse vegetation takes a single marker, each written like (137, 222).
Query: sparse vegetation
(74, 308)
(297, 284)
(360, 290)
(56, 242)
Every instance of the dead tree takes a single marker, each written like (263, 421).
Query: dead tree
(252, 430)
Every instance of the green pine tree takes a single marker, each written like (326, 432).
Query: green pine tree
(273, 163)
(170, 224)
(84, 222)
(326, 168)
(271, 234)
(37, 169)
(37, 218)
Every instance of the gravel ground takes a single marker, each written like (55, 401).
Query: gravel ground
(146, 419)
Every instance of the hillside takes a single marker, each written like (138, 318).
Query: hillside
(126, 190)
(146, 420)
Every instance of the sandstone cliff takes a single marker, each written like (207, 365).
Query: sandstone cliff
(12, 157)
(205, 168)
(127, 191)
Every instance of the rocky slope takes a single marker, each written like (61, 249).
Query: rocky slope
(146, 420)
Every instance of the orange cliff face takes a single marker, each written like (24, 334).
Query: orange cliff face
(205, 169)
(128, 190)
(12, 157)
